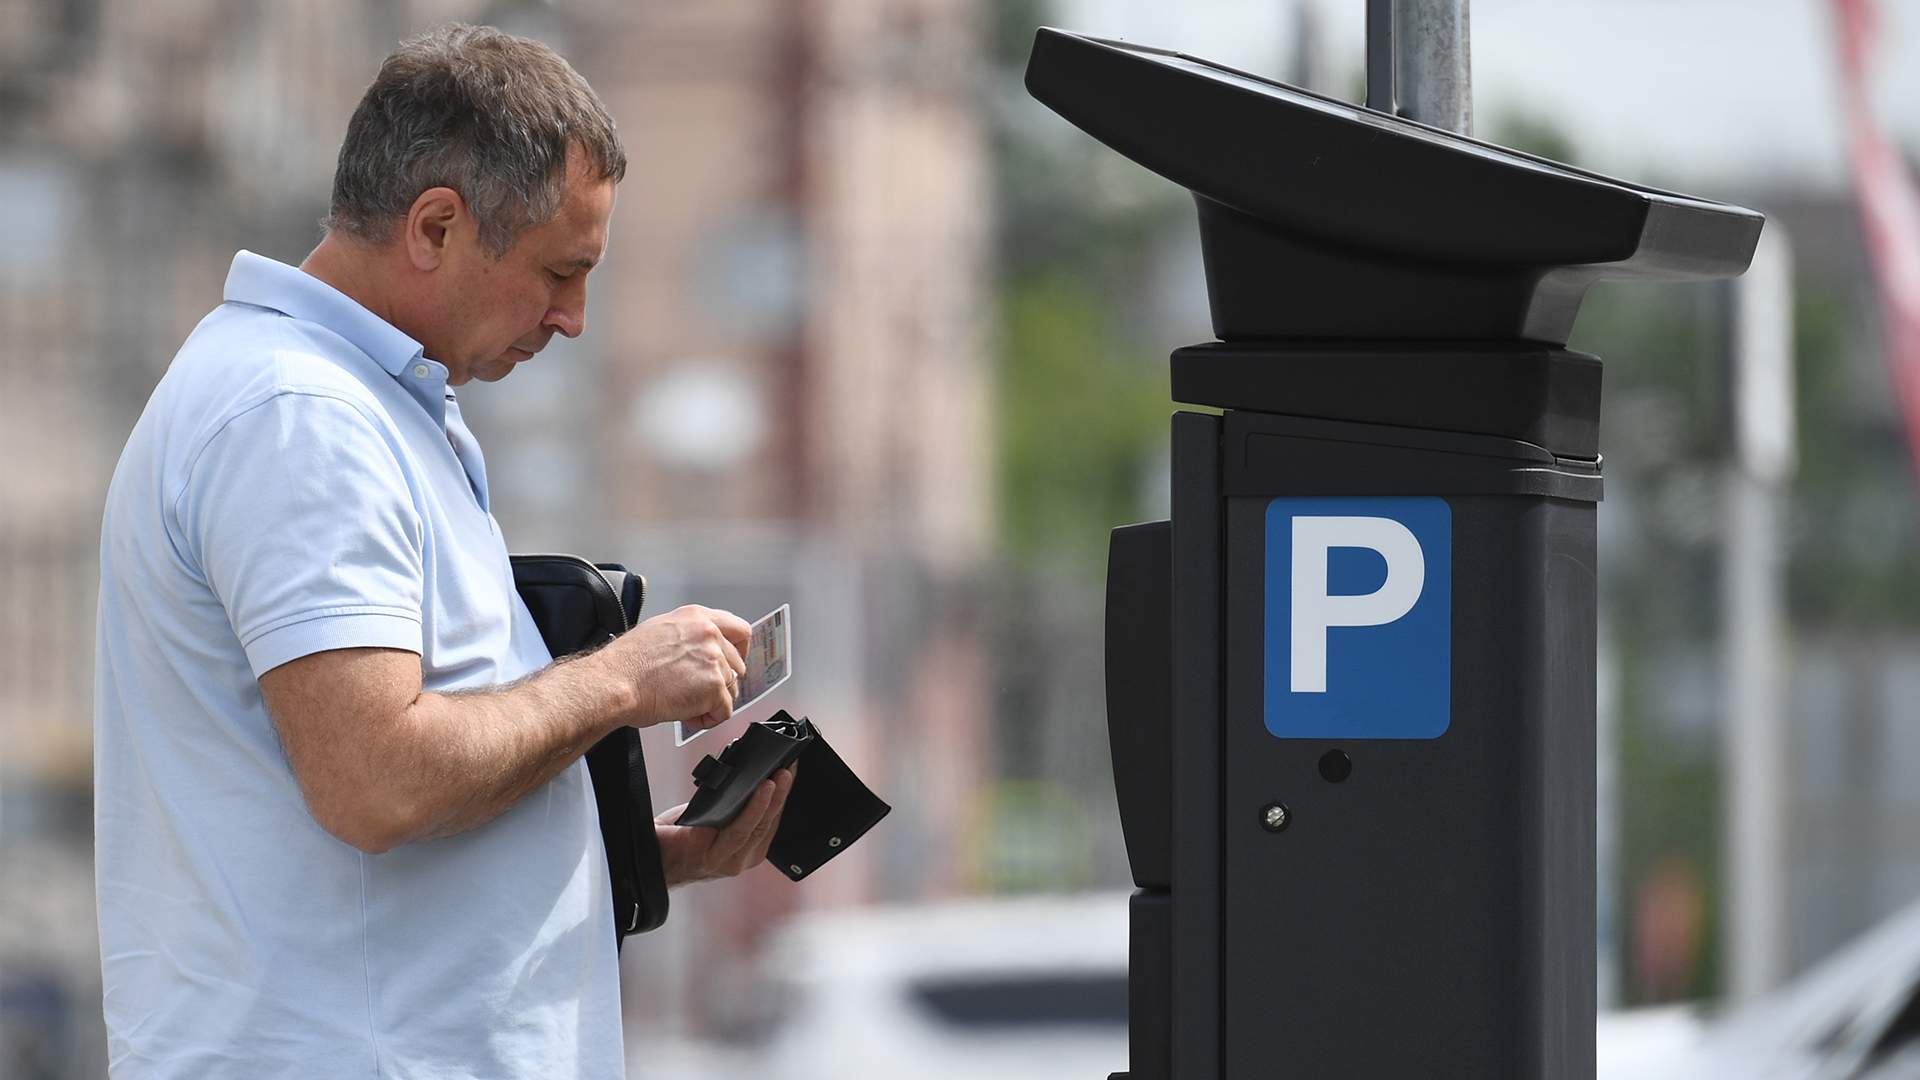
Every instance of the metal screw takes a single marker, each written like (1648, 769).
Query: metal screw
(833, 841)
(1275, 817)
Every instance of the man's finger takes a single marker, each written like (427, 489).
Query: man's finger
(732, 627)
(732, 656)
(763, 836)
(783, 782)
(739, 834)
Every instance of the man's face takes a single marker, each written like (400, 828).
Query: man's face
(498, 313)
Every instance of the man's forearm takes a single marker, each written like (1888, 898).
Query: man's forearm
(381, 763)
(460, 759)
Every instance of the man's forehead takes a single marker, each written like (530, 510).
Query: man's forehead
(577, 236)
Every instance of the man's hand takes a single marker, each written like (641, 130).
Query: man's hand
(696, 853)
(684, 665)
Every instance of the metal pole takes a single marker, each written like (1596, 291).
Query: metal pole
(1433, 65)
(1381, 52)
(1753, 598)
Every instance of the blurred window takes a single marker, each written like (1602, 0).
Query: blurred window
(1017, 1001)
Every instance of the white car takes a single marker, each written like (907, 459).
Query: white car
(1007, 989)
(1854, 1016)
(1012, 989)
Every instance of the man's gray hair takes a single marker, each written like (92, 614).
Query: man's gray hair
(480, 111)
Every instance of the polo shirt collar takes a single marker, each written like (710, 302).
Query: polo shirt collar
(268, 283)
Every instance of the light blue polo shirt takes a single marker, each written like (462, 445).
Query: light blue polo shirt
(301, 480)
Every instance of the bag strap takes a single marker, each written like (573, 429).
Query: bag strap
(578, 605)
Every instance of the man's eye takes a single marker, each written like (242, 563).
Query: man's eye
(557, 276)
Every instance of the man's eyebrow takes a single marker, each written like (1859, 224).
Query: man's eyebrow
(581, 263)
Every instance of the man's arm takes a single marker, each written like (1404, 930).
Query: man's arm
(382, 763)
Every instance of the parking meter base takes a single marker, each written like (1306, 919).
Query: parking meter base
(1428, 909)
(1426, 905)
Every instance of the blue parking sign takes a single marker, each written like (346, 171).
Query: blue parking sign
(1359, 617)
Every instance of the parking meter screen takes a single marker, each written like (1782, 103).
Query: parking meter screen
(1359, 618)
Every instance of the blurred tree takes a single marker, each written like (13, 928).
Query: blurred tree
(1856, 517)
(1079, 422)
(1082, 407)
(1535, 134)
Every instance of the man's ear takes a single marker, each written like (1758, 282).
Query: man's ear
(430, 226)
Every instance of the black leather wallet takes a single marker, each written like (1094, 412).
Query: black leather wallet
(577, 606)
(827, 809)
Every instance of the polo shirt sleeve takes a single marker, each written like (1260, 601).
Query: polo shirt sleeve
(299, 517)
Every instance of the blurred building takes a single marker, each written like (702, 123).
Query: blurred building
(782, 396)
(789, 397)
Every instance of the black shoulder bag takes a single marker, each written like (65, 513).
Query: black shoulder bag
(580, 606)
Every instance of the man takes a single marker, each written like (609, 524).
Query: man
(343, 827)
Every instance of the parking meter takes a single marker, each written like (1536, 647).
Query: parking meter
(1350, 684)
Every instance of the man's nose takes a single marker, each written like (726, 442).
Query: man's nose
(568, 318)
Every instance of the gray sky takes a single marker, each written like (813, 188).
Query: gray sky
(1663, 91)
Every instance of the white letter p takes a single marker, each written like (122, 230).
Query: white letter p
(1314, 611)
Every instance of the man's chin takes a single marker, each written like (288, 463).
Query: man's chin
(501, 366)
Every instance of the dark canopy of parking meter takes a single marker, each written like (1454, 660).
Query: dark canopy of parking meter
(1350, 685)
